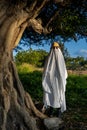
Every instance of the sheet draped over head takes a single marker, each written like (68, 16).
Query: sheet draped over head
(54, 80)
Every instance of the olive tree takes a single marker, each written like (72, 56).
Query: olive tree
(55, 17)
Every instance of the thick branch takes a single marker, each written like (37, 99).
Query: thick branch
(37, 11)
(52, 18)
(58, 1)
(48, 29)
(36, 25)
(31, 8)
(22, 28)
(5, 28)
(3, 7)
(12, 28)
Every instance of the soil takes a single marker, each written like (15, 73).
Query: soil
(74, 118)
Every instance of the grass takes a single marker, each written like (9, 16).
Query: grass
(32, 84)
(76, 93)
(76, 98)
(26, 68)
(75, 117)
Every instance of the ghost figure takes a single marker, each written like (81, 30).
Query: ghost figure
(54, 79)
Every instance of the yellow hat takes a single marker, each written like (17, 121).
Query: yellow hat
(55, 44)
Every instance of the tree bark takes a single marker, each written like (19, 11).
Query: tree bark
(17, 110)
(15, 113)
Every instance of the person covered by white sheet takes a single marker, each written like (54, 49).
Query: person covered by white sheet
(54, 81)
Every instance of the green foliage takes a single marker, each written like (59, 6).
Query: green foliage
(76, 97)
(64, 50)
(76, 93)
(38, 57)
(71, 21)
(78, 63)
(34, 57)
(26, 68)
(68, 20)
(76, 89)
(32, 84)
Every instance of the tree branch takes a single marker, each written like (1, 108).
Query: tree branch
(37, 11)
(31, 8)
(52, 18)
(58, 1)
(36, 25)
(47, 28)
(22, 28)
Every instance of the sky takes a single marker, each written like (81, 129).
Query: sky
(75, 49)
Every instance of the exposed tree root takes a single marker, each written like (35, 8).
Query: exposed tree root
(29, 103)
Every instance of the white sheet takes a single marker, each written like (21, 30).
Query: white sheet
(54, 80)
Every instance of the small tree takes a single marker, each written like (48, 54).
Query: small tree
(34, 57)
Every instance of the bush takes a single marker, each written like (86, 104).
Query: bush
(34, 57)
(25, 68)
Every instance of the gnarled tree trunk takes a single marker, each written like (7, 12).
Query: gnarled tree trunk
(16, 106)
(17, 111)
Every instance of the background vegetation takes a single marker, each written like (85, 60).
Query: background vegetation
(34, 57)
(37, 58)
(71, 23)
(76, 97)
(30, 64)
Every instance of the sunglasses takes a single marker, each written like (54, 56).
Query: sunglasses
(55, 47)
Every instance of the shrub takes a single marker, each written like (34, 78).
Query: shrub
(26, 68)
(34, 57)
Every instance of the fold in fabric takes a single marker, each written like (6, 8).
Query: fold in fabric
(54, 80)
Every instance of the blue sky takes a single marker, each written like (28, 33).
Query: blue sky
(77, 48)
(74, 48)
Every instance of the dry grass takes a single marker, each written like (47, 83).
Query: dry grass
(77, 72)
(26, 68)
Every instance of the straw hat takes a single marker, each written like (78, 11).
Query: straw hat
(55, 44)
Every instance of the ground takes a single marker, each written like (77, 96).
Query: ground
(75, 119)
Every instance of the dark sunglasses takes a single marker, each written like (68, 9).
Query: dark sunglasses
(55, 47)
